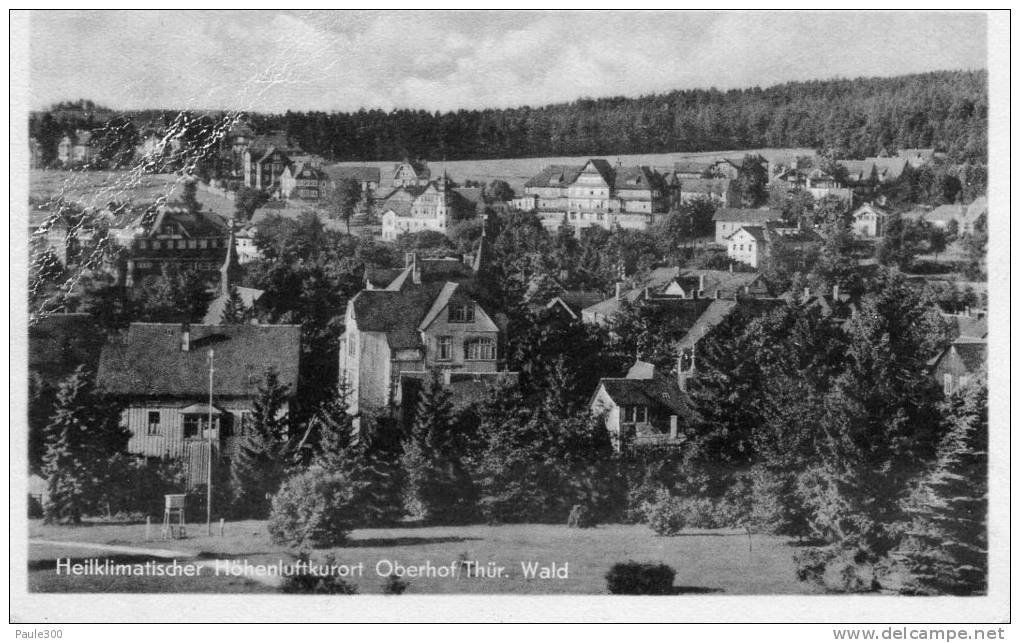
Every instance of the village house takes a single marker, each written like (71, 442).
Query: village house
(875, 170)
(964, 215)
(963, 362)
(428, 318)
(917, 157)
(729, 220)
(64, 148)
(669, 285)
(869, 221)
(598, 195)
(161, 371)
(643, 409)
(177, 238)
(83, 150)
(687, 169)
(365, 176)
(436, 207)
(718, 191)
(304, 182)
(410, 173)
(35, 155)
(751, 245)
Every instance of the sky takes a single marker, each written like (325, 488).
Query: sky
(272, 61)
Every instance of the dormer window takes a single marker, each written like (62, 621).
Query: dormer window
(462, 313)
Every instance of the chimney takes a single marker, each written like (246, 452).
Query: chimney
(701, 283)
(646, 292)
(415, 269)
(185, 337)
(807, 292)
(619, 290)
(731, 267)
(835, 292)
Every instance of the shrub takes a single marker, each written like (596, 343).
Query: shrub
(309, 583)
(313, 509)
(666, 515)
(640, 578)
(580, 517)
(394, 585)
(35, 508)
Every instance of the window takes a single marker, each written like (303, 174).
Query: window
(195, 424)
(153, 424)
(462, 313)
(641, 414)
(947, 384)
(480, 349)
(445, 345)
(628, 414)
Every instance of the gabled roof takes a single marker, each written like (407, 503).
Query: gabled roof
(947, 213)
(972, 352)
(864, 207)
(147, 360)
(715, 313)
(193, 224)
(888, 168)
(971, 327)
(746, 215)
(554, 176)
(659, 393)
(639, 177)
(757, 233)
(438, 304)
(856, 170)
(214, 313)
(360, 173)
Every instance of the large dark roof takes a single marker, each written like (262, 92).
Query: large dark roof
(554, 176)
(194, 224)
(746, 215)
(147, 360)
(973, 353)
(656, 393)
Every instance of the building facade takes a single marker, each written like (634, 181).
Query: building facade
(597, 194)
(162, 373)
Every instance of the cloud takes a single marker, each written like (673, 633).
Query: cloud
(274, 61)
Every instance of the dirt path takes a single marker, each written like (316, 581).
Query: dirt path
(271, 581)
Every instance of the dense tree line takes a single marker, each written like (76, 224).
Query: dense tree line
(852, 117)
(856, 117)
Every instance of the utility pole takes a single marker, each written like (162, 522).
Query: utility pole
(209, 460)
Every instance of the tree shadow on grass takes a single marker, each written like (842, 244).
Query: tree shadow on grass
(402, 541)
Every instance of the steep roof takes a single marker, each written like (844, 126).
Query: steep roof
(194, 224)
(971, 327)
(715, 313)
(888, 168)
(214, 313)
(857, 170)
(147, 360)
(746, 215)
(638, 177)
(972, 352)
(554, 176)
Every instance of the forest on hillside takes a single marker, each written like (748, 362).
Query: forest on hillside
(849, 118)
(853, 118)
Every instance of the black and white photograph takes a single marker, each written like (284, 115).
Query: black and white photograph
(434, 308)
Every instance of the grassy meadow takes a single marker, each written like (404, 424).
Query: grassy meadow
(706, 561)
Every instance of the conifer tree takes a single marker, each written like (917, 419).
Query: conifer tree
(234, 310)
(261, 461)
(438, 485)
(945, 549)
(82, 438)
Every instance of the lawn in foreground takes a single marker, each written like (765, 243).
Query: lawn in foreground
(706, 561)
